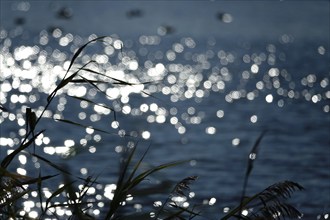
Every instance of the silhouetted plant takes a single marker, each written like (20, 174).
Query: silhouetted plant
(128, 181)
(269, 203)
(13, 186)
(272, 203)
(175, 210)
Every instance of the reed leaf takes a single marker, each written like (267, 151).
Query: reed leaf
(15, 176)
(31, 119)
(21, 180)
(78, 52)
(39, 188)
(69, 205)
(252, 156)
(7, 160)
(91, 102)
(84, 126)
(120, 192)
(70, 78)
(52, 164)
(124, 186)
(63, 83)
(76, 206)
(3, 108)
(119, 82)
(40, 178)
(66, 81)
(88, 183)
(147, 173)
(57, 192)
(84, 81)
(137, 165)
(95, 86)
(14, 197)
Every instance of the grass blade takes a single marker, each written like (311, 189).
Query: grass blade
(14, 197)
(84, 126)
(7, 160)
(65, 81)
(137, 165)
(36, 180)
(95, 86)
(120, 82)
(78, 52)
(267, 196)
(90, 101)
(57, 192)
(39, 182)
(3, 108)
(52, 164)
(145, 174)
(252, 156)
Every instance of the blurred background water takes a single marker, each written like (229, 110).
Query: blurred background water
(219, 73)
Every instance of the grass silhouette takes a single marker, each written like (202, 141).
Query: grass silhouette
(268, 204)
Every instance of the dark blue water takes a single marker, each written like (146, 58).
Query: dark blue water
(207, 100)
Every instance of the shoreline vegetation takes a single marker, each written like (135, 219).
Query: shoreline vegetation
(270, 203)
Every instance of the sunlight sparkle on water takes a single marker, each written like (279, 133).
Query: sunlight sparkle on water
(235, 142)
(183, 74)
(252, 156)
(83, 171)
(92, 149)
(21, 171)
(146, 135)
(22, 159)
(210, 130)
(254, 118)
(245, 212)
(212, 201)
(33, 214)
(59, 150)
(269, 98)
(254, 68)
(109, 191)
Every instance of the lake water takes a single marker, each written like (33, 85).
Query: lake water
(196, 96)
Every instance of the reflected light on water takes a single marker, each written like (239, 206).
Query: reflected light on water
(146, 135)
(212, 201)
(109, 191)
(33, 214)
(226, 210)
(245, 212)
(235, 142)
(252, 156)
(59, 150)
(22, 159)
(83, 171)
(6, 142)
(210, 130)
(21, 171)
(254, 118)
(254, 68)
(185, 73)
